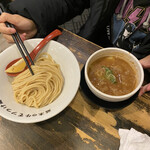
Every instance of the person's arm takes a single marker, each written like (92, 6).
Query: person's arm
(48, 14)
(145, 62)
(25, 27)
(100, 15)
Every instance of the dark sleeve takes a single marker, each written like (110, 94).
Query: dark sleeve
(144, 48)
(48, 14)
(101, 12)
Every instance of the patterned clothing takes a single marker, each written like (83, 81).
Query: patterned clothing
(130, 24)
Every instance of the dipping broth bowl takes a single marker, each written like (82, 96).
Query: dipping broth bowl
(127, 57)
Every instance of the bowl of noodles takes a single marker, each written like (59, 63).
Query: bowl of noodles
(113, 74)
(31, 99)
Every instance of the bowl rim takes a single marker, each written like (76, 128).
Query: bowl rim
(112, 96)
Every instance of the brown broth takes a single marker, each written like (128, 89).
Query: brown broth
(125, 80)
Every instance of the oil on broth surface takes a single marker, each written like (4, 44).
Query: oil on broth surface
(112, 75)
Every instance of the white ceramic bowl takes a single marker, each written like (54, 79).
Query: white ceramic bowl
(16, 112)
(124, 55)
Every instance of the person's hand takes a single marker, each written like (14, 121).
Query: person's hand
(25, 27)
(145, 62)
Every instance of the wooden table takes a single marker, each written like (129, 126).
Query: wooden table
(86, 124)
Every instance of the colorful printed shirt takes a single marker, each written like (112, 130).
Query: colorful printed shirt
(130, 24)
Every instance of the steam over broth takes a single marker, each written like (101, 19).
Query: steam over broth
(112, 75)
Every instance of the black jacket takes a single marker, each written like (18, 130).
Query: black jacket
(48, 14)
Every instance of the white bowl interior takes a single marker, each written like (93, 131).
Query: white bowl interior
(135, 64)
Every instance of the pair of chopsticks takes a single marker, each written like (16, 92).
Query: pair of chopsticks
(19, 43)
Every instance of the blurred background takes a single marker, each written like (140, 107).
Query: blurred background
(75, 24)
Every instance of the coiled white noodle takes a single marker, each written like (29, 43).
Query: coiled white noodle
(43, 87)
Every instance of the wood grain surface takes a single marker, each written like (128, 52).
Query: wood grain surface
(87, 123)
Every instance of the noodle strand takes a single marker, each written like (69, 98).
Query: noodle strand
(43, 87)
